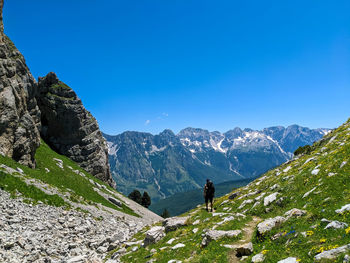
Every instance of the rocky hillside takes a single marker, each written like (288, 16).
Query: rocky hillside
(297, 212)
(50, 109)
(166, 164)
(58, 212)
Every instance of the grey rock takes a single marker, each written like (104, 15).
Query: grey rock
(343, 209)
(70, 129)
(211, 235)
(180, 245)
(258, 258)
(270, 198)
(196, 222)
(336, 225)
(115, 201)
(269, 224)
(333, 253)
(295, 212)
(244, 249)
(133, 249)
(173, 223)
(154, 235)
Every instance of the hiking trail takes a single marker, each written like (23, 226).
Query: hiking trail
(248, 231)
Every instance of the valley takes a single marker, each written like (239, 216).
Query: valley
(166, 164)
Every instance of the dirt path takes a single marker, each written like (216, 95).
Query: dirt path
(248, 231)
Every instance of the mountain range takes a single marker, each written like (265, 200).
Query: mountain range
(169, 163)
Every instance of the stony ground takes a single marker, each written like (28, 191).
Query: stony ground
(60, 213)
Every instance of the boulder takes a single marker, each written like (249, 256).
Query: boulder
(269, 224)
(258, 258)
(115, 201)
(270, 198)
(70, 129)
(343, 209)
(211, 235)
(154, 235)
(180, 245)
(333, 253)
(336, 225)
(244, 249)
(295, 212)
(173, 223)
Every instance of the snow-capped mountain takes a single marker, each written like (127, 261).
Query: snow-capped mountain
(166, 163)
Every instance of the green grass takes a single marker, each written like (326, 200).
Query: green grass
(181, 202)
(15, 186)
(65, 180)
(332, 192)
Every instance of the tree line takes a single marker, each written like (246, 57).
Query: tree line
(144, 200)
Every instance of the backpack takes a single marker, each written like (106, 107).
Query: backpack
(210, 189)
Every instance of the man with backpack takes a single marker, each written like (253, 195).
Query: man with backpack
(209, 191)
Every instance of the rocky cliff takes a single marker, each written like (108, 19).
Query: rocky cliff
(70, 129)
(50, 108)
(20, 116)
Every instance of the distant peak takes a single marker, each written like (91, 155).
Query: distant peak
(167, 132)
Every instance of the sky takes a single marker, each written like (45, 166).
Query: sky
(154, 65)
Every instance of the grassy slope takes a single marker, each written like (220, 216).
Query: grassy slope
(65, 180)
(294, 179)
(182, 202)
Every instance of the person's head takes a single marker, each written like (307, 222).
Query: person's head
(208, 180)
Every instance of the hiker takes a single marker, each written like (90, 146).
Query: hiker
(208, 193)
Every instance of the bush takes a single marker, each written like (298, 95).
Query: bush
(146, 200)
(135, 196)
(303, 150)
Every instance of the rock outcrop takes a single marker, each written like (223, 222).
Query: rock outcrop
(50, 108)
(70, 129)
(20, 116)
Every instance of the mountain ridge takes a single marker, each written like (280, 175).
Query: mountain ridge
(150, 162)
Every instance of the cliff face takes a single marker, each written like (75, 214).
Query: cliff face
(62, 119)
(20, 116)
(70, 129)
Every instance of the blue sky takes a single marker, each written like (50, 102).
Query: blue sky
(152, 65)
